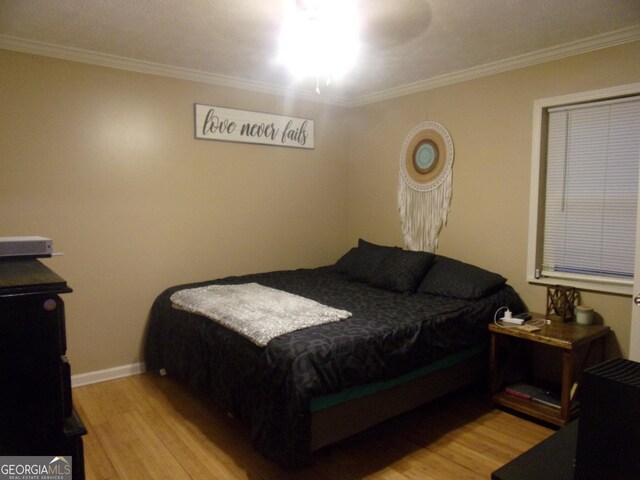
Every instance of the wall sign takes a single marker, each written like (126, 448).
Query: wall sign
(243, 126)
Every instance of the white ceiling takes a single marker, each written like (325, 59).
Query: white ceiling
(407, 45)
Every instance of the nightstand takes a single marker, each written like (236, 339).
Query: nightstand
(577, 343)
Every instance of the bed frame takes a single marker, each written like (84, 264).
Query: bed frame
(289, 437)
(341, 421)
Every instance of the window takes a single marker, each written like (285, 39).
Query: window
(586, 159)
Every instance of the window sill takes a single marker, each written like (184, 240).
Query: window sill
(617, 289)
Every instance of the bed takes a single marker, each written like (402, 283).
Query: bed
(416, 330)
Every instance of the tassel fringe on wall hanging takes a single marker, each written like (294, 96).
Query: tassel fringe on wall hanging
(424, 190)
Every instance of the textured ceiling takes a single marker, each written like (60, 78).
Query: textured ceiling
(403, 41)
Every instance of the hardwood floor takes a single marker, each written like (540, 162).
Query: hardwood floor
(150, 427)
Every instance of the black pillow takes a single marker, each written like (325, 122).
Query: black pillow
(346, 262)
(402, 270)
(368, 259)
(361, 262)
(453, 278)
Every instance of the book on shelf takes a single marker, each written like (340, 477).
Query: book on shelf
(537, 392)
(548, 398)
(524, 390)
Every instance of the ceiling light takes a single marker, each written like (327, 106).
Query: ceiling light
(319, 38)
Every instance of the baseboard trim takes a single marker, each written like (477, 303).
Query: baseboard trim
(107, 374)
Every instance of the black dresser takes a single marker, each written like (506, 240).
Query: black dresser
(36, 407)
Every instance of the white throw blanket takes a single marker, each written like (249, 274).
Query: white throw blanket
(257, 312)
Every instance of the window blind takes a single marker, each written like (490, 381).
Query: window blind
(593, 156)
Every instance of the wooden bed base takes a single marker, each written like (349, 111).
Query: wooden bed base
(341, 421)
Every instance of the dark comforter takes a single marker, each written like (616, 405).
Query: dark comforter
(271, 388)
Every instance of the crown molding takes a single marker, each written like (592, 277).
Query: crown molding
(142, 66)
(611, 39)
(577, 47)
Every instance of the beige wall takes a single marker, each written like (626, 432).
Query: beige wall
(104, 162)
(490, 121)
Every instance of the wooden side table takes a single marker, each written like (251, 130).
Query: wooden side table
(570, 338)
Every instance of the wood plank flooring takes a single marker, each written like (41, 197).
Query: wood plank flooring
(150, 427)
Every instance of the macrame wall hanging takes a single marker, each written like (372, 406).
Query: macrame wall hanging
(424, 190)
